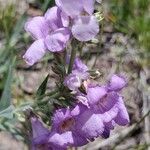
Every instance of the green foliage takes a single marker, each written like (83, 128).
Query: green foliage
(133, 18)
(5, 100)
(47, 4)
(14, 40)
(41, 90)
(8, 112)
(7, 19)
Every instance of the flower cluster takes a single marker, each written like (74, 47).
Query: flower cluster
(52, 32)
(96, 108)
(95, 113)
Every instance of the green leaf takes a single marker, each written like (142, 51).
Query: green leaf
(8, 112)
(17, 30)
(23, 107)
(47, 4)
(5, 100)
(41, 90)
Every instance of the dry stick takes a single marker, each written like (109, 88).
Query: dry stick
(117, 138)
(146, 107)
(134, 128)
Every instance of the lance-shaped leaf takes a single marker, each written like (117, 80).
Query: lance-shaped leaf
(5, 100)
(42, 89)
(8, 112)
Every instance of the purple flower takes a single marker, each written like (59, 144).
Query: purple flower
(95, 93)
(43, 139)
(65, 121)
(80, 123)
(79, 65)
(113, 111)
(50, 33)
(122, 116)
(79, 73)
(107, 104)
(84, 24)
(72, 81)
(90, 124)
(85, 28)
(40, 134)
(116, 83)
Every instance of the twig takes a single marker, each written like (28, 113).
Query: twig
(146, 107)
(134, 128)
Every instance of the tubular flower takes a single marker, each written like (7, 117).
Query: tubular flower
(40, 134)
(80, 125)
(50, 33)
(84, 25)
(76, 126)
(65, 122)
(43, 139)
(79, 73)
(107, 104)
(116, 83)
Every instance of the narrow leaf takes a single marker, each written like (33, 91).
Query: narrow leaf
(5, 100)
(8, 112)
(41, 90)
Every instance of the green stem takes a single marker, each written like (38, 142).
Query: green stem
(73, 55)
(54, 95)
(48, 94)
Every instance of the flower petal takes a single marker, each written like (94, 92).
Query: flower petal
(61, 140)
(54, 18)
(82, 98)
(81, 74)
(39, 132)
(116, 83)
(94, 94)
(77, 110)
(78, 140)
(72, 81)
(88, 6)
(85, 28)
(57, 41)
(37, 27)
(35, 52)
(79, 65)
(123, 116)
(59, 116)
(70, 7)
(107, 103)
(64, 19)
(90, 125)
(106, 133)
(110, 115)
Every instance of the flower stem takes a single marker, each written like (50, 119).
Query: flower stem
(47, 100)
(53, 94)
(48, 94)
(73, 55)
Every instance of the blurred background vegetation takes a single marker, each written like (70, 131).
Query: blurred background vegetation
(132, 18)
(126, 18)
